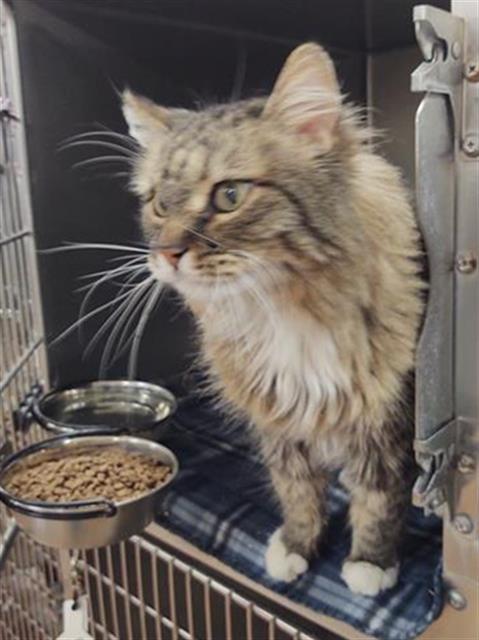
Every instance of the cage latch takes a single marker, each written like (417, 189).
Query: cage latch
(433, 489)
(23, 416)
(440, 36)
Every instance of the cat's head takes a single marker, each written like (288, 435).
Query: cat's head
(243, 189)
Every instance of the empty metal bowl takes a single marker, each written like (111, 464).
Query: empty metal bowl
(119, 406)
(88, 523)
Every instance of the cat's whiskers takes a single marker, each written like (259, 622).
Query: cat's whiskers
(133, 269)
(138, 299)
(113, 279)
(125, 153)
(72, 246)
(132, 272)
(69, 330)
(131, 265)
(112, 273)
(117, 314)
(127, 141)
(98, 143)
(201, 236)
(116, 174)
(103, 159)
(124, 340)
(130, 302)
(153, 299)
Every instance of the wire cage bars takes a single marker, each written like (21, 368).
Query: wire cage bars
(29, 580)
(138, 590)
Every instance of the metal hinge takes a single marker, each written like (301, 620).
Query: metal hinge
(434, 488)
(444, 458)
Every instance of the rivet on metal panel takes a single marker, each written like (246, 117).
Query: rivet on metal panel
(463, 523)
(456, 50)
(472, 71)
(471, 145)
(466, 463)
(466, 262)
(456, 599)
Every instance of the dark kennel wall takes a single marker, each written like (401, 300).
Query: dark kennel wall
(74, 53)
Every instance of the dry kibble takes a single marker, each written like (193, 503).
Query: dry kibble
(107, 472)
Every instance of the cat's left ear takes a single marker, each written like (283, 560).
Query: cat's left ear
(306, 96)
(146, 120)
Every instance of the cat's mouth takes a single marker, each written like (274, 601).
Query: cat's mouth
(167, 265)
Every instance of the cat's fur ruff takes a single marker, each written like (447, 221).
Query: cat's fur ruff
(308, 301)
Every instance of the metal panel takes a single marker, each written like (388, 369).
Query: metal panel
(435, 180)
(440, 36)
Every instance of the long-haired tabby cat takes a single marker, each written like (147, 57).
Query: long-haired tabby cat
(295, 247)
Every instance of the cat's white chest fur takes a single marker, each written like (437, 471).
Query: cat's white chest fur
(289, 354)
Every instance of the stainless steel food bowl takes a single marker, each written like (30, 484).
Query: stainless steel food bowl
(89, 523)
(119, 406)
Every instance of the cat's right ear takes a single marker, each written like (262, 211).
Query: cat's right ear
(146, 120)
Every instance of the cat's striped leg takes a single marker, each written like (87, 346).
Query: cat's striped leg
(301, 494)
(377, 523)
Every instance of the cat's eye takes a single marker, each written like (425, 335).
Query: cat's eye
(147, 197)
(229, 195)
(159, 206)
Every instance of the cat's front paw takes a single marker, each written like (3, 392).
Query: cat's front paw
(282, 564)
(368, 579)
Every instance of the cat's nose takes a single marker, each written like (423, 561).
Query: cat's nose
(173, 254)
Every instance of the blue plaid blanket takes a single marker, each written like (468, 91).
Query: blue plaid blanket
(222, 502)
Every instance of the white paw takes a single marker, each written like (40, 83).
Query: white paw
(368, 579)
(280, 564)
